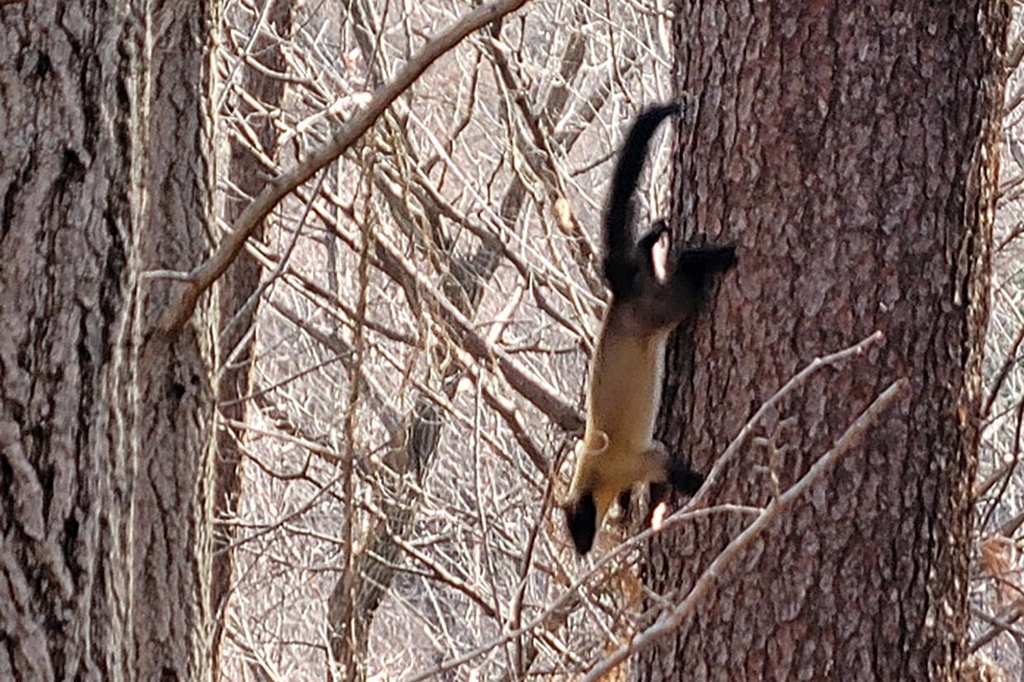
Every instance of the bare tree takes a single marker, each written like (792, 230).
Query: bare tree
(254, 94)
(421, 245)
(105, 423)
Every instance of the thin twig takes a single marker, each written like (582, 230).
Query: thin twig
(669, 621)
(202, 277)
(699, 500)
(695, 509)
(571, 592)
(1000, 622)
(1008, 363)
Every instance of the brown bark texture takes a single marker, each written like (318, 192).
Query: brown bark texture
(105, 428)
(848, 151)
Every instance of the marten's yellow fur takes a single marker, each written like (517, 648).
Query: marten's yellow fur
(618, 449)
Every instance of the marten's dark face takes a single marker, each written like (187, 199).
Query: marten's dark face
(581, 518)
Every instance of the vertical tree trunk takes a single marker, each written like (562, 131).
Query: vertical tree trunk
(105, 427)
(848, 151)
(239, 284)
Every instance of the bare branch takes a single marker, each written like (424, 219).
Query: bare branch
(798, 380)
(560, 604)
(671, 620)
(695, 509)
(202, 277)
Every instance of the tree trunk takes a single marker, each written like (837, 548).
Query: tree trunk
(240, 284)
(848, 151)
(105, 426)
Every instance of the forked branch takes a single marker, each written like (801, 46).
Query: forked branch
(670, 620)
(202, 277)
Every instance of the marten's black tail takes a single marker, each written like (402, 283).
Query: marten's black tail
(621, 258)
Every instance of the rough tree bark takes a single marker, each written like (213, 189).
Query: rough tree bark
(105, 428)
(848, 151)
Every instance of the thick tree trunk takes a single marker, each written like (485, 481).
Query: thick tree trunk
(105, 428)
(848, 152)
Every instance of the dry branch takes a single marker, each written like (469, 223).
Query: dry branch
(695, 509)
(202, 277)
(795, 382)
(669, 621)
